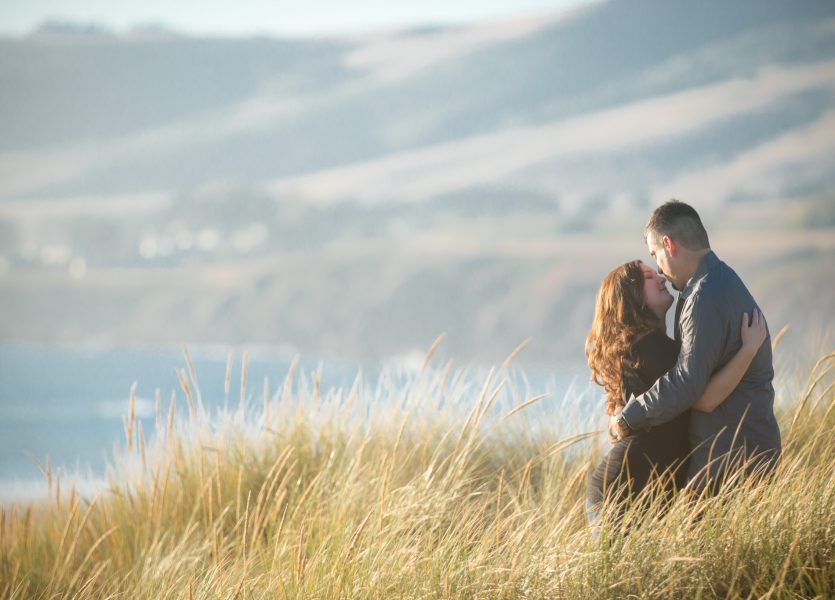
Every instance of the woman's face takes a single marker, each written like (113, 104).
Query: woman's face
(657, 297)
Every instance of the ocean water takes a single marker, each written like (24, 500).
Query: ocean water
(65, 404)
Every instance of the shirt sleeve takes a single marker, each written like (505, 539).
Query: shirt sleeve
(702, 332)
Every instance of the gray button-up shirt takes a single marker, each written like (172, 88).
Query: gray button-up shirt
(713, 302)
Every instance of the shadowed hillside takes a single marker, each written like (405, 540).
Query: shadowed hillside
(360, 195)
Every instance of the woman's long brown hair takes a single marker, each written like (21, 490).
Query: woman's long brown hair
(621, 318)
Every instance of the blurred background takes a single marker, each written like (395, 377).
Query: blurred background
(347, 182)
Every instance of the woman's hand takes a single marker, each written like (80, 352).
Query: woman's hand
(753, 334)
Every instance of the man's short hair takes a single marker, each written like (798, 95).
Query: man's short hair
(680, 222)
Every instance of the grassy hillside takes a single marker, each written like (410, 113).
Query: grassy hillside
(431, 489)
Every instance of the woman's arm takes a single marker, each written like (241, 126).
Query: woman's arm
(723, 382)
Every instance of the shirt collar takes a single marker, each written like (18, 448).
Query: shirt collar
(707, 263)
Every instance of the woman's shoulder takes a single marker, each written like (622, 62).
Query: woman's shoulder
(654, 341)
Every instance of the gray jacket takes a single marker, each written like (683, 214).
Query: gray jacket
(743, 426)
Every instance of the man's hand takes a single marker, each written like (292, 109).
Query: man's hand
(617, 430)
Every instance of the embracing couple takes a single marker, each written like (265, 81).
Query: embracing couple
(689, 410)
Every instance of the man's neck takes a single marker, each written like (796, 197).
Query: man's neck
(692, 260)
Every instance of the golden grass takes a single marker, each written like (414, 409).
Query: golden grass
(326, 494)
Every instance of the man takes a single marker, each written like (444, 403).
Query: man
(743, 429)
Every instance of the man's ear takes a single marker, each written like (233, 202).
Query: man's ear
(669, 245)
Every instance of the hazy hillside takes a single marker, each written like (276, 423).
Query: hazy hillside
(104, 114)
(361, 195)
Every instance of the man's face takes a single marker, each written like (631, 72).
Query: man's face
(662, 258)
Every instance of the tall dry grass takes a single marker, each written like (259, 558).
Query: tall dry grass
(398, 493)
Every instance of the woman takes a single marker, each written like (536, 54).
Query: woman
(627, 350)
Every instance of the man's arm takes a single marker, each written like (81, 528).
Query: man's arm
(702, 332)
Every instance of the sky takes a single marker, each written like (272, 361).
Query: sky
(276, 17)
